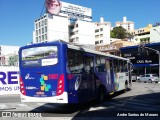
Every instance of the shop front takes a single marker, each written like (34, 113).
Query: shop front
(145, 59)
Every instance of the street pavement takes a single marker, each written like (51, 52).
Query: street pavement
(143, 98)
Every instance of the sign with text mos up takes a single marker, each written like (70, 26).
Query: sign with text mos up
(9, 80)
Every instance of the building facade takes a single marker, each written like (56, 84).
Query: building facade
(142, 35)
(102, 32)
(148, 34)
(81, 32)
(114, 47)
(49, 28)
(128, 25)
(72, 24)
(155, 34)
(145, 59)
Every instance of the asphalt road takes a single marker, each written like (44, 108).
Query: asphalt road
(143, 98)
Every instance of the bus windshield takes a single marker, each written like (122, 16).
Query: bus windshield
(39, 56)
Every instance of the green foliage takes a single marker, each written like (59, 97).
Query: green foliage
(112, 34)
(119, 32)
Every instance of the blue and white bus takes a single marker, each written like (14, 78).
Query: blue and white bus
(58, 72)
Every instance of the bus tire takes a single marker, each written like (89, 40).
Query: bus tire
(100, 95)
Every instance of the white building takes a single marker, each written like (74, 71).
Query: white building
(61, 27)
(82, 32)
(6, 52)
(155, 34)
(49, 28)
(102, 32)
(128, 25)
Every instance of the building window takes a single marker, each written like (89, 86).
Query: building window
(96, 31)
(42, 30)
(97, 36)
(36, 39)
(45, 36)
(101, 29)
(76, 32)
(42, 23)
(36, 25)
(39, 24)
(39, 31)
(77, 38)
(71, 27)
(101, 41)
(72, 33)
(101, 35)
(45, 28)
(39, 38)
(36, 32)
(45, 21)
(42, 37)
(96, 42)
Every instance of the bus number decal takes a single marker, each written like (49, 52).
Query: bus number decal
(53, 76)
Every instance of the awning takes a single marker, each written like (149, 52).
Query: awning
(143, 65)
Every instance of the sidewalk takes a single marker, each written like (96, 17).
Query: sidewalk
(10, 98)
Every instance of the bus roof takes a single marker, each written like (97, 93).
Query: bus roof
(94, 52)
(76, 47)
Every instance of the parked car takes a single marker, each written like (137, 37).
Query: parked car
(133, 77)
(149, 78)
(139, 76)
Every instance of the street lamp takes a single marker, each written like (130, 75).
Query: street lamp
(156, 31)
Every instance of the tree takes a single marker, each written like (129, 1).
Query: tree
(119, 32)
(112, 34)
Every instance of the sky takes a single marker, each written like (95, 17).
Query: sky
(17, 16)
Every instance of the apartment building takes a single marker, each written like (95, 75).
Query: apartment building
(128, 25)
(102, 32)
(71, 25)
(81, 32)
(141, 35)
(49, 28)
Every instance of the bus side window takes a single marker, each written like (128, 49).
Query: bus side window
(100, 64)
(116, 65)
(125, 66)
(121, 66)
(71, 58)
(103, 64)
(75, 61)
(79, 62)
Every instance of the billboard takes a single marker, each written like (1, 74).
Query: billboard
(53, 6)
(56, 7)
(9, 80)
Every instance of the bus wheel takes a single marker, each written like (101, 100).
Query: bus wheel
(100, 95)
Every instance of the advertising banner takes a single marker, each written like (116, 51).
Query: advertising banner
(9, 80)
(56, 7)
